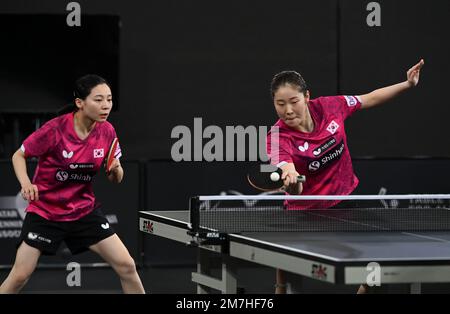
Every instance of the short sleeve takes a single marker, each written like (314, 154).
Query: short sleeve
(279, 148)
(40, 141)
(345, 106)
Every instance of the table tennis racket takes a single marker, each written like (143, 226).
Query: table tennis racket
(111, 154)
(268, 181)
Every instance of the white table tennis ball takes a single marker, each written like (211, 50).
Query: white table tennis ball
(274, 176)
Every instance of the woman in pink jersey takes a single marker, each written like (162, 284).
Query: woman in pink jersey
(309, 138)
(71, 149)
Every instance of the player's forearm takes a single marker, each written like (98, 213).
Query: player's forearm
(384, 94)
(116, 175)
(20, 168)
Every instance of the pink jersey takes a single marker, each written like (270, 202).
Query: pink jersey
(322, 155)
(66, 167)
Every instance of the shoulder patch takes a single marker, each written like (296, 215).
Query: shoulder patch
(351, 100)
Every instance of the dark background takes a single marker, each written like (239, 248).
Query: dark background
(171, 61)
(214, 59)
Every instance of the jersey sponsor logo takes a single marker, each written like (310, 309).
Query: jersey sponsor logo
(332, 127)
(99, 153)
(82, 177)
(327, 159)
(303, 148)
(67, 154)
(351, 100)
(62, 175)
(314, 166)
(81, 166)
(324, 147)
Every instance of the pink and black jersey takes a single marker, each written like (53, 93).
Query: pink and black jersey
(322, 155)
(66, 167)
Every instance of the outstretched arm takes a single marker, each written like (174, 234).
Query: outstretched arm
(384, 94)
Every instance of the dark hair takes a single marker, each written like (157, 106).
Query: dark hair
(83, 87)
(288, 77)
(85, 84)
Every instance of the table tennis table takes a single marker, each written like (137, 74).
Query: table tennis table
(334, 257)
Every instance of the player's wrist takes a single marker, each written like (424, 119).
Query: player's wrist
(25, 184)
(409, 84)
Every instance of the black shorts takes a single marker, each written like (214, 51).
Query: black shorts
(79, 235)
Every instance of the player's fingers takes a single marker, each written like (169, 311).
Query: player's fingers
(420, 64)
(24, 194)
(27, 195)
(115, 164)
(417, 67)
(293, 179)
(36, 192)
(111, 166)
(31, 193)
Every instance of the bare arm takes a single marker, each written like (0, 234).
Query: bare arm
(29, 191)
(384, 94)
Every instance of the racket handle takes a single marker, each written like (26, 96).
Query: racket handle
(301, 179)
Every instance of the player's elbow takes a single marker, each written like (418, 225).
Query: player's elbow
(17, 154)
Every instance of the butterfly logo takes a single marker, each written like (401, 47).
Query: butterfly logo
(66, 154)
(303, 148)
(32, 236)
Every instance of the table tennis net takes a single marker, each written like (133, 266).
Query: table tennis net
(236, 214)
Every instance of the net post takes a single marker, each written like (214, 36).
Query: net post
(194, 212)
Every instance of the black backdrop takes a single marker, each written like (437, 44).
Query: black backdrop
(184, 59)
